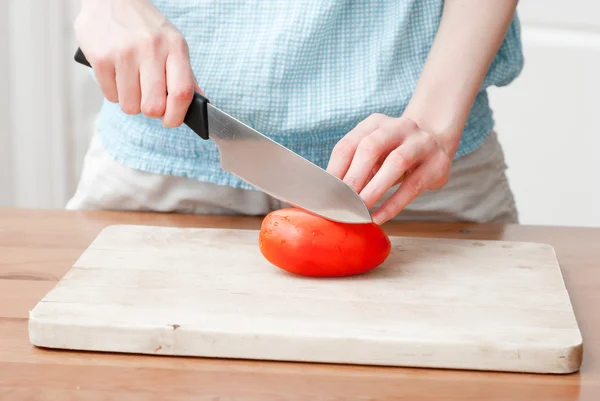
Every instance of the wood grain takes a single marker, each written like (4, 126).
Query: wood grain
(444, 303)
(28, 373)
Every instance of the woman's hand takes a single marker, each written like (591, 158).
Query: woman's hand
(383, 151)
(419, 147)
(138, 57)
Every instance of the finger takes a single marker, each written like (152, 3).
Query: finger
(344, 150)
(409, 190)
(128, 82)
(369, 152)
(441, 170)
(180, 87)
(104, 71)
(412, 152)
(375, 170)
(153, 81)
(404, 175)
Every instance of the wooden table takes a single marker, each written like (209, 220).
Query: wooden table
(37, 247)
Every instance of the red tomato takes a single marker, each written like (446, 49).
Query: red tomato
(305, 244)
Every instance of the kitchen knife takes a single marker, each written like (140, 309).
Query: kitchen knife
(269, 166)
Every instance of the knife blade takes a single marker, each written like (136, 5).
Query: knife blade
(269, 166)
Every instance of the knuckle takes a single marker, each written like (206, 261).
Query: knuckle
(171, 122)
(444, 165)
(153, 109)
(183, 92)
(408, 124)
(101, 61)
(125, 53)
(377, 119)
(178, 42)
(400, 160)
(441, 182)
(439, 176)
(377, 116)
(343, 148)
(441, 170)
(371, 145)
(153, 41)
(389, 124)
(444, 162)
(353, 182)
(415, 187)
(441, 161)
(429, 141)
(110, 95)
(130, 108)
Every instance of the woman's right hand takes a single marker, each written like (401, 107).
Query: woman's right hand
(139, 58)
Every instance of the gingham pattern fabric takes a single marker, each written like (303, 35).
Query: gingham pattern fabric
(302, 72)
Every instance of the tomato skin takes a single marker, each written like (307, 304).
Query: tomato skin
(305, 244)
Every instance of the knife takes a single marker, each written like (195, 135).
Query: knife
(269, 166)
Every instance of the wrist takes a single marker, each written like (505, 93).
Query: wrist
(446, 126)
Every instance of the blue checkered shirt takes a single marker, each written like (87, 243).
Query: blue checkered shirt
(302, 72)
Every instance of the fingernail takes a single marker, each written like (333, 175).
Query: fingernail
(378, 219)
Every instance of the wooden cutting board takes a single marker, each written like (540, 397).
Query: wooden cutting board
(440, 303)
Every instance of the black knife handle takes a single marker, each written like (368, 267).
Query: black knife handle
(196, 116)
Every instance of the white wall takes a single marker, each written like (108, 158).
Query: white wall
(51, 99)
(547, 119)
(6, 189)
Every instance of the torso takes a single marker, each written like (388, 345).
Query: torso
(302, 72)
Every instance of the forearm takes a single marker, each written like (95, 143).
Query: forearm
(470, 34)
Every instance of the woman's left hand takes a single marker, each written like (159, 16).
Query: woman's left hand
(383, 151)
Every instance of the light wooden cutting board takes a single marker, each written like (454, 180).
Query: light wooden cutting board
(441, 303)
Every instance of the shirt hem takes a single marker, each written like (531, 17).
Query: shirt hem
(172, 166)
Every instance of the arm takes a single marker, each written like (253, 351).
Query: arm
(468, 38)
(417, 149)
